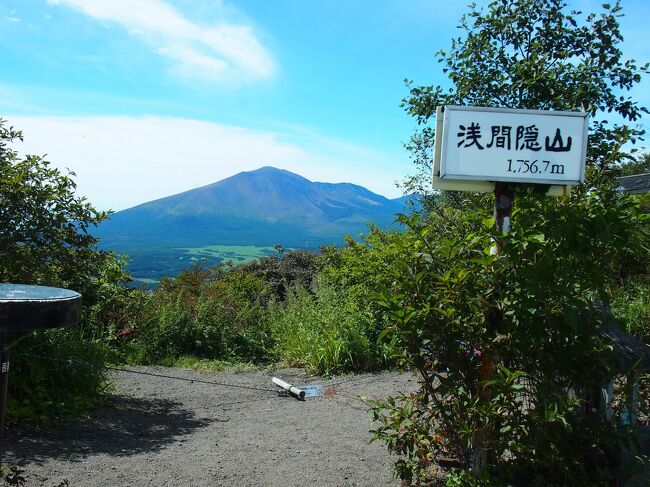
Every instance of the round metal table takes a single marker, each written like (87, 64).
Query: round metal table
(25, 308)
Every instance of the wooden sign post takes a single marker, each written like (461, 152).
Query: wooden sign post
(481, 149)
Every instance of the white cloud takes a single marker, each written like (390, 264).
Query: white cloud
(124, 161)
(224, 51)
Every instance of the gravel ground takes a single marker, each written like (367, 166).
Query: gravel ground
(163, 432)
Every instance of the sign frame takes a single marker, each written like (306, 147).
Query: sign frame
(485, 183)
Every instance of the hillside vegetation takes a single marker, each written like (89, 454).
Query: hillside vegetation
(294, 306)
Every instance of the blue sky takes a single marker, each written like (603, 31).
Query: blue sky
(147, 98)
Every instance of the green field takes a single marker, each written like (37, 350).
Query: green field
(146, 280)
(148, 265)
(235, 253)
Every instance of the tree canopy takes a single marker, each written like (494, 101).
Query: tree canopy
(536, 55)
(46, 228)
(508, 344)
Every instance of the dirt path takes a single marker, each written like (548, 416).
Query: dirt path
(163, 432)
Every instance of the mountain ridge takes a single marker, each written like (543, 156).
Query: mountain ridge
(267, 195)
(263, 207)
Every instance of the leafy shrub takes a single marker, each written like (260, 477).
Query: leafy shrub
(363, 267)
(631, 305)
(55, 374)
(206, 313)
(325, 330)
(284, 270)
(504, 343)
(254, 312)
(46, 239)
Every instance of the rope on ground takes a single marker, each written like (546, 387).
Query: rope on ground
(201, 381)
(353, 398)
(358, 378)
(340, 392)
(152, 374)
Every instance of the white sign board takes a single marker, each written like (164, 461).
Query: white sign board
(501, 144)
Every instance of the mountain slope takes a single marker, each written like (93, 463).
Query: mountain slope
(260, 207)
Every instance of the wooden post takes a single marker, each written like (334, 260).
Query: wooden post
(632, 402)
(503, 203)
(4, 380)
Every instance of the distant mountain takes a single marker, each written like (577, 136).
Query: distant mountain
(258, 208)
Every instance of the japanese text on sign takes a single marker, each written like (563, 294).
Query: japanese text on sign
(513, 145)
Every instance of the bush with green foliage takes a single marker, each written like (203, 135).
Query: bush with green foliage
(361, 267)
(528, 310)
(56, 374)
(507, 345)
(297, 306)
(631, 305)
(633, 167)
(325, 330)
(284, 270)
(45, 239)
(217, 313)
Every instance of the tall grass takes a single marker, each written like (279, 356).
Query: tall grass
(199, 315)
(55, 374)
(260, 312)
(631, 304)
(325, 331)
